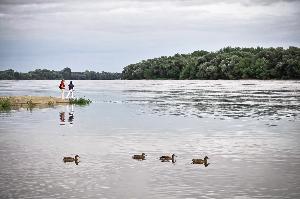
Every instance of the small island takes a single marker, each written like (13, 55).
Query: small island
(9, 102)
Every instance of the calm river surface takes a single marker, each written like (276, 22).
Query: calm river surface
(250, 130)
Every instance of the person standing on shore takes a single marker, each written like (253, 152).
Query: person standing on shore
(62, 88)
(71, 90)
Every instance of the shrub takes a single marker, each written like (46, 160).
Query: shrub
(5, 104)
(80, 101)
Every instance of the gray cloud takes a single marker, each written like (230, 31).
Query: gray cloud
(107, 35)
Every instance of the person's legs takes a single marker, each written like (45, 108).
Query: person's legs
(72, 94)
(68, 94)
(62, 93)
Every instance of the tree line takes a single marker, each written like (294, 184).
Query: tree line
(66, 73)
(227, 63)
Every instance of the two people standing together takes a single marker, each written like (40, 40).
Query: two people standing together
(62, 88)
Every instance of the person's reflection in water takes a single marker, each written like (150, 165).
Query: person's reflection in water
(71, 115)
(71, 118)
(62, 118)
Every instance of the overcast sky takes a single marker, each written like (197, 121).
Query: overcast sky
(110, 34)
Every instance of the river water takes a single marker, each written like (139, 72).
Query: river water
(250, 130)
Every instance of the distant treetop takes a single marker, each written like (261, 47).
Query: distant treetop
(227, 63)
(66, 73)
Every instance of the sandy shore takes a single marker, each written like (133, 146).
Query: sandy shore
(34, 100)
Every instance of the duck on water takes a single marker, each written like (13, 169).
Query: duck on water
(166, 158)
(201, 161)
(139, 157)
(71, 159)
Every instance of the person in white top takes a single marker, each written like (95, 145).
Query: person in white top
(71, 90)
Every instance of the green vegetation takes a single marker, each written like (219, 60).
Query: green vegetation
(80, 101)
(227, 63)
(5, 104)
(66, 73)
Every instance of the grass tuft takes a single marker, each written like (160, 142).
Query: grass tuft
(5, 104)
(80, 101)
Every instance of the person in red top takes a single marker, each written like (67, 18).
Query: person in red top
(62, 88)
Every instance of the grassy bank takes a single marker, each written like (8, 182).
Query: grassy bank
(15, 102)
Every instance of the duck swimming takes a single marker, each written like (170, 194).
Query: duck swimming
(166, 158)
(139, 157)
(200, 161)
(71, 159)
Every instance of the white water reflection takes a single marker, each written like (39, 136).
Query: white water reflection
(248, 129)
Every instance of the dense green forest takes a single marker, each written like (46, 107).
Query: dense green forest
(227, 63)
(66, 73)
